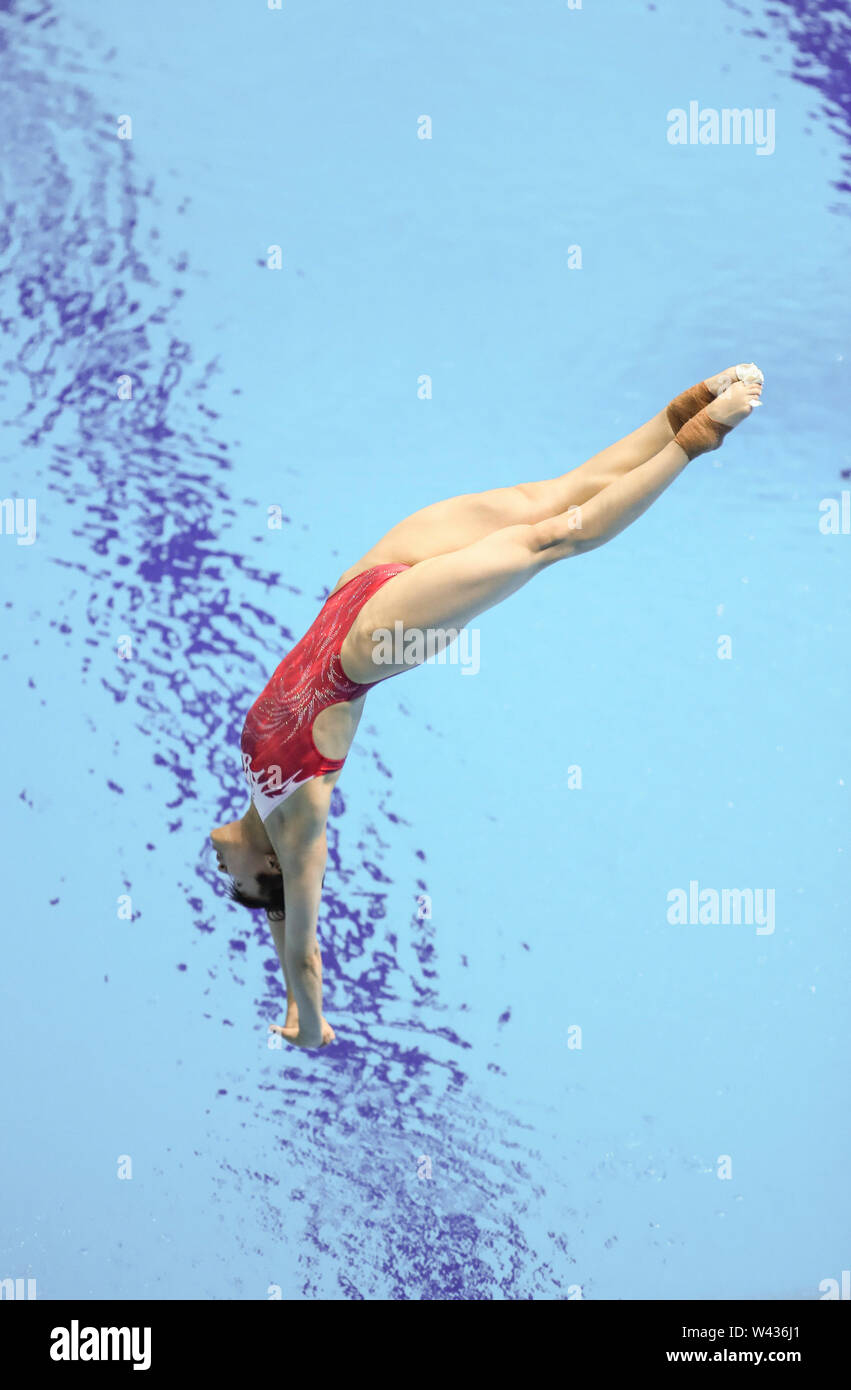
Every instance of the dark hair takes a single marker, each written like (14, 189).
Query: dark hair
(270, 897)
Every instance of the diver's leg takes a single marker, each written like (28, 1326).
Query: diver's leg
(460, 521)
(441, 594)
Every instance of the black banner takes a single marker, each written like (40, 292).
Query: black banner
(62, 1339)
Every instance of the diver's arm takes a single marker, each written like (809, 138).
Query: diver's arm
(298, 837)
(303, 866)
(278, 930)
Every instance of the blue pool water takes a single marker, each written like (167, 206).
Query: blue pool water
(455, 1143)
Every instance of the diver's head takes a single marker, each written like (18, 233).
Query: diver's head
(252, 865)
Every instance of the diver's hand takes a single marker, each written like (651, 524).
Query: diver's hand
(293, 1034)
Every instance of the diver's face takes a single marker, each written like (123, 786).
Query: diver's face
(241, 861)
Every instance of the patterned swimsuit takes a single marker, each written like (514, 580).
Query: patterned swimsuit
(278, 752)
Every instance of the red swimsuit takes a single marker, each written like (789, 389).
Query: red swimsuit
(278, 752)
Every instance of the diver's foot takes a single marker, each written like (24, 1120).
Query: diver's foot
(707, 429)
(685, 406)
(745, 371)
(735, 403)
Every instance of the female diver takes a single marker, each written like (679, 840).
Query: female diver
(434, 571)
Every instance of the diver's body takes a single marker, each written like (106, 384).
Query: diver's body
(433, 573)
